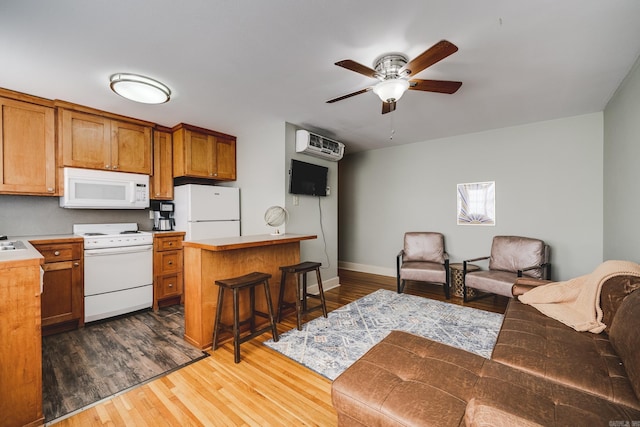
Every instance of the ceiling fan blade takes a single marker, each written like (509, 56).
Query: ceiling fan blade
(434, 54)
(340, 98)
(358, 68)
(388, 107)
(440, 86)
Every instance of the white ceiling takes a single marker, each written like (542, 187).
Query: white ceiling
(234, 62)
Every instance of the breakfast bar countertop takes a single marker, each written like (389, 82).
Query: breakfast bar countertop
(241, 242)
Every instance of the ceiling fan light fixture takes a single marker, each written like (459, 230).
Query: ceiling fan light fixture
(391, 90)
(139, 88)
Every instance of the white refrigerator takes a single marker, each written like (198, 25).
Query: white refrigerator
(207, 211)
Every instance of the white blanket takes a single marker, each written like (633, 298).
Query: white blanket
(576, 302)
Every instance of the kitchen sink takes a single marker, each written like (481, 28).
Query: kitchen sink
(16, 245)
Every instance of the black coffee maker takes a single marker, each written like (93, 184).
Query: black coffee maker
(163, 215)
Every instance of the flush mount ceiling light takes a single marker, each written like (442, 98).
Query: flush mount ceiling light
(391, 90)
(140, 88)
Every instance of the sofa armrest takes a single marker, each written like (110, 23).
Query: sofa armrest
(524, 284)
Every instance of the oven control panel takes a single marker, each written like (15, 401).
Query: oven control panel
(118, 240)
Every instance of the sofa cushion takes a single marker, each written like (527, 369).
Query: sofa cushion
(613, 292)
(536, 399)
(407, 380)
(625, 337)
(512, 253)
(410, 380)
(540, 345)
(480, 413)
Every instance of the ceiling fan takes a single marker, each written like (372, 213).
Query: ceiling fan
(394, 69)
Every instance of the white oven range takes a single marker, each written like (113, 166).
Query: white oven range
(118, 269)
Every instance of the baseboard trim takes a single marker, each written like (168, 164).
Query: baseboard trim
(364, 268)
(327, 284)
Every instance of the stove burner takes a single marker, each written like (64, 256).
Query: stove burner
(94, 234)
(130, 232)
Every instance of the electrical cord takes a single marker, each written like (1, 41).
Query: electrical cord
(324, 240)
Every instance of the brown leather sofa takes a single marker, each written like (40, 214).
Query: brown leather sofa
(541, 373)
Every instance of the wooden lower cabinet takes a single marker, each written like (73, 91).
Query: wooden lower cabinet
(63, 286)
(168, 280)
(21, 344)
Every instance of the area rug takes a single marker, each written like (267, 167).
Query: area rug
(329, 346)
(103, 359)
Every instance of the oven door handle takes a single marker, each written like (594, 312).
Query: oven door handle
(117, 251)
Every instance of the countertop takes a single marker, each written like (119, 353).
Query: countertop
(8, 258)
(241, 242)
(31, 253)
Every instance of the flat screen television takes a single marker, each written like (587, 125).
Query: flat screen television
(306, 178)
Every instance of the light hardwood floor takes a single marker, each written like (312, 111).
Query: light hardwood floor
(264, 389)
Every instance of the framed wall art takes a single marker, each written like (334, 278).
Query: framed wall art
(477, 203)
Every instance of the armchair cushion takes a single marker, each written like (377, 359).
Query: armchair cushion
(513, 253)
(424, 246)
(492, 281)
(423, 272)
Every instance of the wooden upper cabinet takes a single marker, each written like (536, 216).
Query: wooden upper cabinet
(131, 147)
(162, 178)
(85, 140)
(203, 153)
(96, 142)
(226, 158)
(27, 148)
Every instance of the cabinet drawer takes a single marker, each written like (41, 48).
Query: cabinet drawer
(60, 251)
(169, 262)
(169, 285)
(168, 243)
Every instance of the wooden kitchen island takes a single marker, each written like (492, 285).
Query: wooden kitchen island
(206, 261)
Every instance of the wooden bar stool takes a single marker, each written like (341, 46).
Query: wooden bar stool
(301, 270)
(234, 284)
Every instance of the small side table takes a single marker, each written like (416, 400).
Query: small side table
(457, 279)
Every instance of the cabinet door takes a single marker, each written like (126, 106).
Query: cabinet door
(168, 262)
(225, 159)
(162, 179)
(21, 349)
(27, 148)
(62, 292)
(170, 286)
(130, 147)
(199, 154)
(86, 140)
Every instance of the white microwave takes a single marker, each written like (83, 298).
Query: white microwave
(96, 189)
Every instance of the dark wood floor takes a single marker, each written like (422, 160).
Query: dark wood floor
(86, 365)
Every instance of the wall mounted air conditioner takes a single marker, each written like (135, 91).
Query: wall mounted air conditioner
(318, 146)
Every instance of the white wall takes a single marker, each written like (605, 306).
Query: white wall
(548, 179)
(314, 215)
(261, 169)
(621, 177)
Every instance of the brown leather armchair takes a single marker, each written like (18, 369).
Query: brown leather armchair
(511, 257)
(423, 259)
